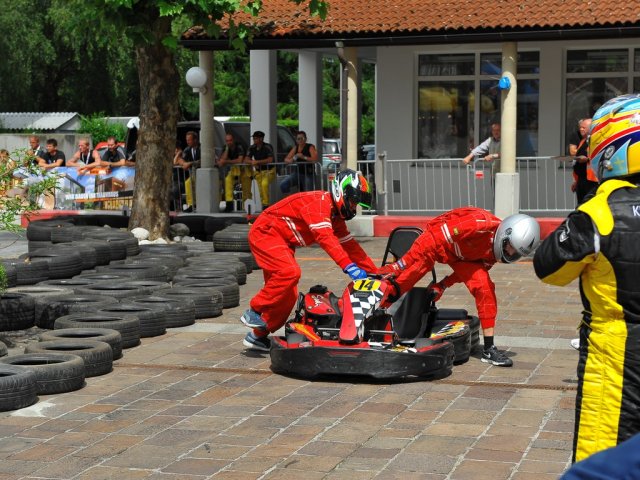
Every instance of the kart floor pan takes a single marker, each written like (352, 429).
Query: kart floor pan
(332, 358)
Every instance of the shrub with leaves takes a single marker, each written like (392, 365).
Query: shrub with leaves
(22, 185)
(99, 129)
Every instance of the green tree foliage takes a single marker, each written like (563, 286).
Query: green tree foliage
(97, 126)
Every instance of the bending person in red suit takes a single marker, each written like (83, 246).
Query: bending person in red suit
(470, 240)
(300, 220)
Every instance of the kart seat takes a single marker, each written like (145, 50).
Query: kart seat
(410, 320)
(400, 241)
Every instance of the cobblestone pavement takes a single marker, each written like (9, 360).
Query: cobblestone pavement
(193, 404)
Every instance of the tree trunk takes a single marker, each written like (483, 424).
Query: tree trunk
(156, 144)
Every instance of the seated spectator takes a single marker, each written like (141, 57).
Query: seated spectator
(84, 156)
(35, 149)
(53, 157)
(304, 155)
(260, 155)
(114, 155)
(233, 155)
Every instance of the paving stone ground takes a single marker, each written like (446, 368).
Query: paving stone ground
(194, 404)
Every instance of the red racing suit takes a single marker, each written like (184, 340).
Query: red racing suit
(298, 220)
(463, 239)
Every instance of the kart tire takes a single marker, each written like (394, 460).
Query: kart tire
(107, 335)
(55, 372)
(17, 311)
(97, 356)
(128, 326)
(18, 388)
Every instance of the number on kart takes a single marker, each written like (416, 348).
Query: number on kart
(366, 285)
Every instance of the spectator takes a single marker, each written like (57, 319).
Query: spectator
(53, 157)
(260, 155)
(598, 243)
(470, 240)
(186, 160)
(233, 155)
(114, 155)
(84, 156)
(584, 179)
(305, 155)
(190, 156)
(300, 220)
(35, 149)
(489, 151)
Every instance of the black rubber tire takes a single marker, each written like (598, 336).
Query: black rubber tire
(137, 271)
(120, 291)
(3, 349)
(17, 311)
(28, 273)
(128, 326)
(55, 372)
(69, 283)
(40, 230)
(97, 356)
(11, 274)
(40, 290)
(178, 312)
(103, 277)
(228, 286)
(102, 250)
(208, 301)
(231, 240)
(33, 245)
(198, 248)
(117, 243)
(151, 287)
(65, 234)
(107, 335)
(200, 274)
(18, 388)
(221, 267)
(48, 309)
(152, 322)
(63, 262)
(172, 264)
(244, 257)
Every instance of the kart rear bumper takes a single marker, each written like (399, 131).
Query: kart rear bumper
(332, 358)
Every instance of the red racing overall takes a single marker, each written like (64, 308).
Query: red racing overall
(298, 220)
(463, 239)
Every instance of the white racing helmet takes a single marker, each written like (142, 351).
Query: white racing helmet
(520, 231)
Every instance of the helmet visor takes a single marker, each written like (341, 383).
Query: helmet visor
(509, 253)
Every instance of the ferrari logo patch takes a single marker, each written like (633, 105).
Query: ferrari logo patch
(455, 231)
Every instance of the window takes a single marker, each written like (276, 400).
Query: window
(449, 93)
(592, 78)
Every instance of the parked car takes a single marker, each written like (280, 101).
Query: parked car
(368, 152)
(331, 154)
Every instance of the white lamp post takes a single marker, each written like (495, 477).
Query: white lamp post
(207, 188)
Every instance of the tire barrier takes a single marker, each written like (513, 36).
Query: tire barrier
(17, 311)
(18, 388)
(62, 262)
(152, 321)
(55, 372)
(28, 273)
(231, 239)
(137, 271)
(208, 301)
(178, 312)
(97, 356)
(49, 309)
(119, 291)
(128, 326)
(106, 335)
(227, 286)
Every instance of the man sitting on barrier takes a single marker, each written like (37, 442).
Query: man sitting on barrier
(260, 155)
(470, 240)
(233, 155)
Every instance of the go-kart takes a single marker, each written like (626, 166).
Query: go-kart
(353, 335)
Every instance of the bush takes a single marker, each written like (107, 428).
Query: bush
(97, 126)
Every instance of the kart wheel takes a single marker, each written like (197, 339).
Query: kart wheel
(296, 338)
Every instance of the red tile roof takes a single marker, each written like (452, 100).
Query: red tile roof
(374, 18)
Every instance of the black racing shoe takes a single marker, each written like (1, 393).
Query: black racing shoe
(496, 357)
(253, 342)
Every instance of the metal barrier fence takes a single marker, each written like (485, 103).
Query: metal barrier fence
(432, 186)
(411, 186)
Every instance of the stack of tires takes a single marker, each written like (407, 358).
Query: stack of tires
(91, 292)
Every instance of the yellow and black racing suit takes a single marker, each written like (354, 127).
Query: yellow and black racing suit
(600, 243)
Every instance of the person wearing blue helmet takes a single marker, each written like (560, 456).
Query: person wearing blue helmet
(599, 243)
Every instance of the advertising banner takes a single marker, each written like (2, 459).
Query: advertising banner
(101, 188)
